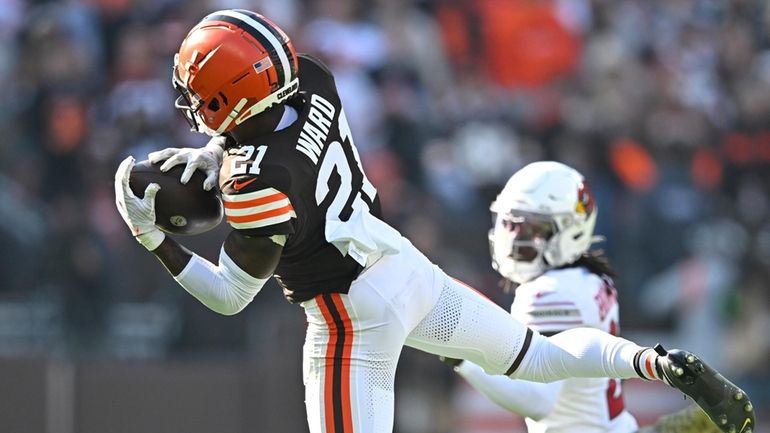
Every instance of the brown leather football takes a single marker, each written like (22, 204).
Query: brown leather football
(180, 209)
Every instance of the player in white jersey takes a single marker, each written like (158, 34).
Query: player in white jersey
(561, 285)
(302, 210)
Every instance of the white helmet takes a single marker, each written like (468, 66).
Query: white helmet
(544, 218)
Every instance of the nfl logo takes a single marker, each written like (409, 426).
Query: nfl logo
(263, 64)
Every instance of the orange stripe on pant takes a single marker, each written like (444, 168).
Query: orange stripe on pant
(337, 408)
(346, 355)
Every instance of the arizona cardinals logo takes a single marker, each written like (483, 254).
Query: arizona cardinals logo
(585, 201)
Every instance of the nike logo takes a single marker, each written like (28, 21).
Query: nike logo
(240, 185)
(539, 295)
(746, 423)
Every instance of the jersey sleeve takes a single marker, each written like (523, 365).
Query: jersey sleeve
(311, 67)
(257, 208)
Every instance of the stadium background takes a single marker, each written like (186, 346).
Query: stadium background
(663, 105)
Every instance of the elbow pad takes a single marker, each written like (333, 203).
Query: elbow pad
(225, 289)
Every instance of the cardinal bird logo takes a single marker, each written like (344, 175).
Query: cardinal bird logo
(585, 201)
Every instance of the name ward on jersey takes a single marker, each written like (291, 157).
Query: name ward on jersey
(312, 137)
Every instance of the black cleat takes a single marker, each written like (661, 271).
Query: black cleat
(724, 403)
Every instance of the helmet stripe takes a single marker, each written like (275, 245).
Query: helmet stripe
(279, 34)
(261, 33)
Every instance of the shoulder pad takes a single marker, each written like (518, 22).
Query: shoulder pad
(313, 69)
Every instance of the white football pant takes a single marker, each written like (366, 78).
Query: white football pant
(354, 341)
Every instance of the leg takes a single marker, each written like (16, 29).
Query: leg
(354, 341)
(578, 352)
(349, 365)
(465, 325)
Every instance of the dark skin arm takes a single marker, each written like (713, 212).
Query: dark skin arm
(257, 256)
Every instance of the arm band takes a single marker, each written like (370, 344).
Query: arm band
(529, 399)
(225, 289)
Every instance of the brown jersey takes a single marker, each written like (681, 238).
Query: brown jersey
(304, 181)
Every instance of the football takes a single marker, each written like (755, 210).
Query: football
(180, 209)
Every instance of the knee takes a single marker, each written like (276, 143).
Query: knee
(536, 363)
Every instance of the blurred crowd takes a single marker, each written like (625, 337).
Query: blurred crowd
(664, 105)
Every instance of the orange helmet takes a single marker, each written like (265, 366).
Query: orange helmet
(233, 65)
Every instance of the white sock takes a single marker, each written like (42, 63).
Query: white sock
(579, 352)
(645, 361)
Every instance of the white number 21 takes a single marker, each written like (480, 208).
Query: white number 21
(242, 163)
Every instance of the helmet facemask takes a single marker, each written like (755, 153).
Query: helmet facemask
(519, 243)
(188, 102)
(192, 105)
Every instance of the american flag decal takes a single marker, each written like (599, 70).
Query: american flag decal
(263, 64)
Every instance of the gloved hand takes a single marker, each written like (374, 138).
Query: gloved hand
(452, 362)
(207, 158)
(138, 213)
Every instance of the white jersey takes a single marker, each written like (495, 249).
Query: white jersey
(567, 298)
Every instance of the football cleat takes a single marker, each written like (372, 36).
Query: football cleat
(724, 403)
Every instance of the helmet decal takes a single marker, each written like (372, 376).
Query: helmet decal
(263, 65)
(266, 34)
(585, 200)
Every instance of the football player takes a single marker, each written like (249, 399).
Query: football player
(302, 210)
(560, 285)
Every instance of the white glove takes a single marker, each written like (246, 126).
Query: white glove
(207, 158)
(138, 213)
